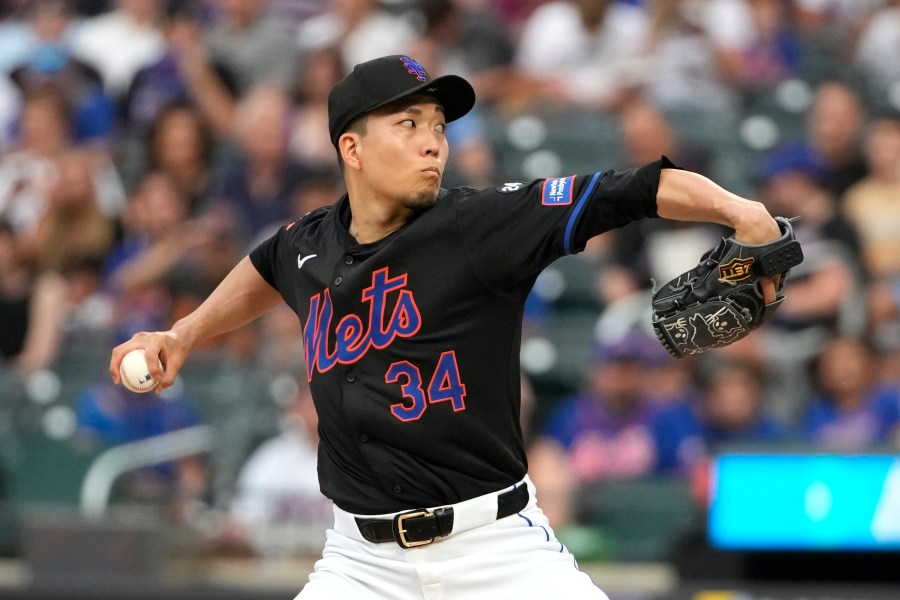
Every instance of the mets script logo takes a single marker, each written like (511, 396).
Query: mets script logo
(736, 269)
(352, 337)
(415, 68)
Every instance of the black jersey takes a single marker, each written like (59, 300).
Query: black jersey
(412, 342)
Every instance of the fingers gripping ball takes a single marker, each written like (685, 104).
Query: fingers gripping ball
(719, 301)
(134, 372)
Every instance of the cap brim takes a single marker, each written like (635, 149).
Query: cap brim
(454, 93)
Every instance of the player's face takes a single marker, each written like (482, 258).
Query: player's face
(404, 151)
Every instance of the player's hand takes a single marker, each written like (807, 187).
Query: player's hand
(754, 225)
(164, 345)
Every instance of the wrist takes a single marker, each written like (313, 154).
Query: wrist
(185, 333)
(752, 222)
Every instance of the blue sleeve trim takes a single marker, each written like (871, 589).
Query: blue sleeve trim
(570, 226)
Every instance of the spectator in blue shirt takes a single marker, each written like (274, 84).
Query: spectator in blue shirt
(852, 410)
(603, 430)
(728, 410)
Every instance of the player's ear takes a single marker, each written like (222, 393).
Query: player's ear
(348, 144)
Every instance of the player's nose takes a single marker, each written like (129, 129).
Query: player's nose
(431, 147)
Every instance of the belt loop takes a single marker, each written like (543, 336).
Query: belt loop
(444, 517)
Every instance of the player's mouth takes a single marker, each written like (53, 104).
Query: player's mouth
(432, 171)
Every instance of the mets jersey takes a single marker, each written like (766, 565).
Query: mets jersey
(412, 342)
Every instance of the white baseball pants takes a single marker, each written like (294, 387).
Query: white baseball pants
(515, 558)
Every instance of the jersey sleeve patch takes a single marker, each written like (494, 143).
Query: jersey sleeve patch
(558, 191)
(510, 187)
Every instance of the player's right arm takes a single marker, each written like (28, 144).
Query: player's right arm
(241, 297)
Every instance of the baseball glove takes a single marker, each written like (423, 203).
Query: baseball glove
(719, 301)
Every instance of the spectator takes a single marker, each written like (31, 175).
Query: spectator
(873, 206)
(834, 130)
(166, 261)
(73, 223)
(754, 41)
(851, 410)
(259, 181)
(684, 75)
(583, 52)
(469, 40)
(28, 172)
(157, 233)
(513, 13)
(254, 45)
(834, 127)
(181, 147)
(603, 429)
(880, 39)
(360, 29)
(16, 285)
(826, 290)
(823, 284)
(67, 309)
(51, 64)
(278, 509)
(119, 42)
(109, 414)
(182, 75)
(730, 409)
(309, 142)
(835, 20)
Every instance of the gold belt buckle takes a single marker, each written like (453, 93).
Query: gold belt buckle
(401, 533)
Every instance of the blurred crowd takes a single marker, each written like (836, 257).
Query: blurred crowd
(146, 145)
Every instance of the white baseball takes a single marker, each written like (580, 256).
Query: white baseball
(134, 372)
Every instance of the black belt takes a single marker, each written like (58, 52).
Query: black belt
(420, 527)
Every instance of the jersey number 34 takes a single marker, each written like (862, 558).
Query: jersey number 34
(445, 386)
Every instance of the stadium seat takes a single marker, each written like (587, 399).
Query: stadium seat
(641, 518)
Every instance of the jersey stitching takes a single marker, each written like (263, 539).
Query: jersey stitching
(570, 226)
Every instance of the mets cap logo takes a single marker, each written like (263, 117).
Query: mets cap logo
(414, 68)
(736, 269)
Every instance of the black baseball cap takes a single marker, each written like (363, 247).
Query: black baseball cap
(377, 82)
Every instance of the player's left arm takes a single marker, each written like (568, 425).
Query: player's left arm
(688, 196)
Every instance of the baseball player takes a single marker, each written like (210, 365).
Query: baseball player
(410, 298)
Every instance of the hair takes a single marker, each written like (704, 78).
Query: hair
(864, 341)
(707, 374)
(173, 108)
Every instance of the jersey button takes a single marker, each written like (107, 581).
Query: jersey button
(338, 280)
(351, 376)
(364, 437)
(397, 488)
(348, 260)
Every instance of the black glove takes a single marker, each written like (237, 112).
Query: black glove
(719, 301)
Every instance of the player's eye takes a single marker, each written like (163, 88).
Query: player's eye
(441, 128)
(408, 123)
